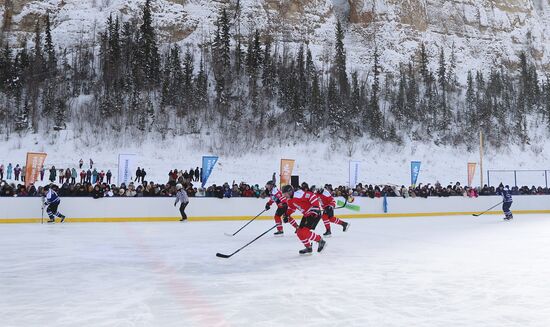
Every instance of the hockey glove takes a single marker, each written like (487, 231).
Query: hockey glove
(267, 207)
(285, 219)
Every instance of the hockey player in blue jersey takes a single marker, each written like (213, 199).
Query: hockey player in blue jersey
(52, 203)
(506, 202)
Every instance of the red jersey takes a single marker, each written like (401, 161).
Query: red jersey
(276, 196)
(305, 202)
(326, 199)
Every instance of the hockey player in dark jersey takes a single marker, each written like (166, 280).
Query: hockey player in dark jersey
(52, 203)
(506, 202)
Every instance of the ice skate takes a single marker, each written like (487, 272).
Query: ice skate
(322, 245)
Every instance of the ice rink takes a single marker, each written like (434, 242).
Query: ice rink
(438, 271)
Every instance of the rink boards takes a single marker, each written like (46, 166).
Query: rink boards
(28, 210)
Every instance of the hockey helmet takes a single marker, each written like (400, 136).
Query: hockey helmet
(179, 187)
(288, 189)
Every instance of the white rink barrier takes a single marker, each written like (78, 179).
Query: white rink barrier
(27, 210)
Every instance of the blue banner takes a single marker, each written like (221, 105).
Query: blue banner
(415, 170)
(208, 163)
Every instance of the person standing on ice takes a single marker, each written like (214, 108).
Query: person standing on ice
(328, 204)
(275, 196)
(181, 196)
(52, 203)
(506, 202)
(9, 171)
(308, 204)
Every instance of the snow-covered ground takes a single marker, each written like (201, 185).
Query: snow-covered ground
(453, 271)
(316, 162)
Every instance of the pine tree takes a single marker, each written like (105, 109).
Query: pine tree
(49, 48)
(412, 95)
(340, 61)
(442, 83)
(148, 57)
(188, 86)
(423, 63)
(375, 115)
(38, 58)
(471, 99)
(201, 87)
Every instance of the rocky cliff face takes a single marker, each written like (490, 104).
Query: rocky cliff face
(482, 32)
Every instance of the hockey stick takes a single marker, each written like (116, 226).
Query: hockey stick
(225, 256)
(251, 220)
(479, 214)
(42, 218)
(343, 205)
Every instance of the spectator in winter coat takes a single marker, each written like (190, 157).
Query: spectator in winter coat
(235, 192)
(22, 191)
(23, 173)
(101, 176)
(82, 177)
(61, 176)
(109, 175)
(42, 171)
(91, 163)
(1, 172)
(17, 172)
(73, 176)
(143, 174)
(138, 175)
(31, 191)
(197, 173)
(94, 176)
(53, 174)
(131, 192)
(9, 171)
(89, 176)
(80, 163)
(68, 175)
(97, 193)
(200, 192)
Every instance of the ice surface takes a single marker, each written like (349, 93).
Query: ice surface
(452, 271)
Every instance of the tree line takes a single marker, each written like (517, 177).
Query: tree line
(250, 89)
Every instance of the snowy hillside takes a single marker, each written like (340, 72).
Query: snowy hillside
(482, 32)
(316, 163)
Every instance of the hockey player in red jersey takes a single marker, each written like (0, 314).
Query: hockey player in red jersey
(328, 204)
(275, 196)
(308, 204)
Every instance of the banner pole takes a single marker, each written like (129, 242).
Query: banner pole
(481, 157)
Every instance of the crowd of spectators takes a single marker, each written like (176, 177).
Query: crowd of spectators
(92, 182)
(144, 188)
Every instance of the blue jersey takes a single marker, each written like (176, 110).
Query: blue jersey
(52, 197)
(506, 196)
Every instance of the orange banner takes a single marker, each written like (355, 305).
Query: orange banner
(471, 172)
(286, 171)
(35, 161)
